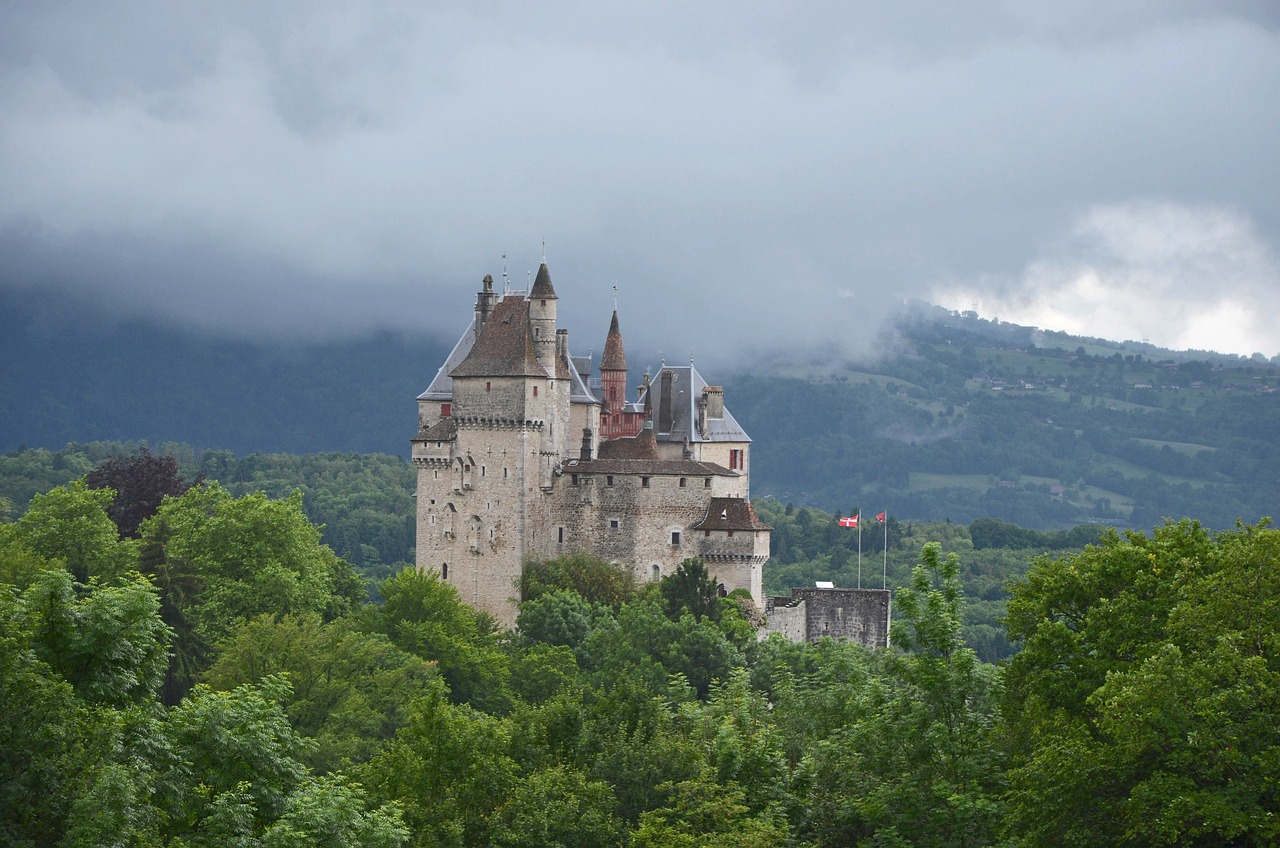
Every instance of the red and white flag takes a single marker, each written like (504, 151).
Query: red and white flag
(880, 518)
(851, 521)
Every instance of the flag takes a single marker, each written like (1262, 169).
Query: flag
(851, 521)
(880, 518)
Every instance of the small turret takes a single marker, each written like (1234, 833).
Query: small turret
(613, 370)
(542, 317)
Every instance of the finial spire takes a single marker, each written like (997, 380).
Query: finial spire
(506, 281)
(544, 250)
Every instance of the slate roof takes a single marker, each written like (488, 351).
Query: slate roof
(441, 387)
(641, 446)
(686, 389)
(614, 358)
(542, 288)
(504, 345)
(579, 391)
(731, 514)
(444, 430)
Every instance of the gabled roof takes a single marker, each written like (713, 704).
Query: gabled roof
(579, 391)
(542, 288)
(504, 345)
(614, 358)
(686, 389)
(731, 514)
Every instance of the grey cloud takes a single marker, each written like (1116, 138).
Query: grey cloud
(303, 167)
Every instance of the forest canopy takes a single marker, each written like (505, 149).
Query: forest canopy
(223, 678)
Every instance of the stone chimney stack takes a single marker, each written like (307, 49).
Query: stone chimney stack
(585, 454)
(484, 302)
(714, 397)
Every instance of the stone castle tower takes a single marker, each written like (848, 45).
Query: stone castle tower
(522, 452)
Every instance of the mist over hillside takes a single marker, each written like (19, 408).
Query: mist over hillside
(958, 417)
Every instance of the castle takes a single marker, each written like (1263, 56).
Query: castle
(523, 452)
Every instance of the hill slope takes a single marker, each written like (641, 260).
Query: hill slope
(964, 419)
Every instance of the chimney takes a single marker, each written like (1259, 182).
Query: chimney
(585, 455)
(562, 344)
(484, 302)
(666, 410)
(714, 397)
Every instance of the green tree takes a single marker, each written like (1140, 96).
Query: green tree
(423, 615)
(557, 808)
(253, 555)
(71, 523)
(596, 580)
(691, 589)
(108, 642)
(915, 764)
(1142, 708)
(706, 814)
(448, 768)
(350, 690)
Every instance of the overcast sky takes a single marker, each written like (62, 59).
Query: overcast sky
(748, 175)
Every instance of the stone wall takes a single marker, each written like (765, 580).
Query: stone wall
(857, 615)
(786, 617)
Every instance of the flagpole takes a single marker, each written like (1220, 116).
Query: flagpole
(884, 580)
(859, 549)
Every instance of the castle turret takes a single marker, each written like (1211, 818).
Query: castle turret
(613, 382)
(542, 318)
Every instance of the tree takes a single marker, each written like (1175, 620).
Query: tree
(252, 555)
(914, 765)
(233, 773)
(350, 690)
(557, 808)
(423, 615)
(448, 768)
(706, 814)
(596, 580)
(1142, 707)
(691, 589)
(71, 523)
(106, 641)
(560, 617)
(140, 483)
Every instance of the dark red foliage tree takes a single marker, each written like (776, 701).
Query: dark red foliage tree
(141, 482)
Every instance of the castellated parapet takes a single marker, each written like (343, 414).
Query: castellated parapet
(518, 457)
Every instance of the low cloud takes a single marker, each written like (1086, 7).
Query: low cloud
(1184, 277)
(750, 178)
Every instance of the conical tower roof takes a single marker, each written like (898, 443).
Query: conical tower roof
(614, 359)
(542, 288)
